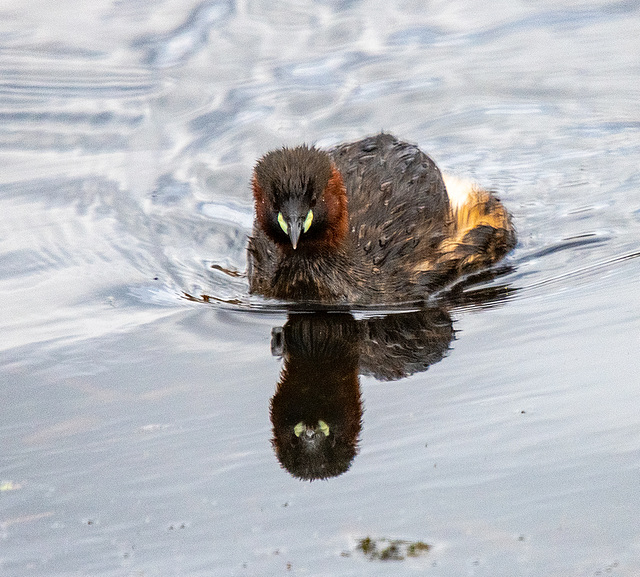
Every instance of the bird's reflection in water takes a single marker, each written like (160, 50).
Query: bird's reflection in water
(316, 410)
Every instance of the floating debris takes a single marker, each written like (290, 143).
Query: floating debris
(391, 549)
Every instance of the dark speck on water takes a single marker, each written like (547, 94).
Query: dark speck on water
(157, 419)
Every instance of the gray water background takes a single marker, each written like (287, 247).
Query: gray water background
(134, 423)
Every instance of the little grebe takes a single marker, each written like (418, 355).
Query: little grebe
(367, 222)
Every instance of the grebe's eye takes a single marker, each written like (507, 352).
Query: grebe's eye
(324, 428)
(282, 223)
(297, 430)
(308, 221)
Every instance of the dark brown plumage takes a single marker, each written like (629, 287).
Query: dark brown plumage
(367, 222)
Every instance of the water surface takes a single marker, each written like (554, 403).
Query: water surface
(135, 433)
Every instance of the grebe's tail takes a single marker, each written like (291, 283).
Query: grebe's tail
(481, 228)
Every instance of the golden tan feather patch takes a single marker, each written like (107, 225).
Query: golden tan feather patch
(481, 230)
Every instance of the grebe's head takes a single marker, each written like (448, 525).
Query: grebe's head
(300, 197)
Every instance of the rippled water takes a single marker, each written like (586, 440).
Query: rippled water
(134, 412)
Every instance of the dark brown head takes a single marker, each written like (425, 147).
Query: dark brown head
(300, 198)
